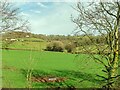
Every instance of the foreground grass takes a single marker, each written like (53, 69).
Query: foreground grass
(79, 71)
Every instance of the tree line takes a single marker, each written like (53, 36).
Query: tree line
(59, 43)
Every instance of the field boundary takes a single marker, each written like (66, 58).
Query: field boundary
(19, 49)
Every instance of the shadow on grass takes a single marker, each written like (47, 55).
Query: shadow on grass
(70, 75)
(35, 73)
(39, 73)
(78, 75)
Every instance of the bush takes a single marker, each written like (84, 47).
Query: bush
(55, 46)
(70, 47)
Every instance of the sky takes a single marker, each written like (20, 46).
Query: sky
(48, 17)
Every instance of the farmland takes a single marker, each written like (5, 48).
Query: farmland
(78, 71)
(45, 45)
(26, 63)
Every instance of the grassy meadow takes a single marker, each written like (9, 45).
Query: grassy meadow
(28, 44)
(78, 70)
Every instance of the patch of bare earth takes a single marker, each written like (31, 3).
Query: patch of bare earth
(48, 79)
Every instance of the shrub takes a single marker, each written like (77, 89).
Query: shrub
(70, 47)
(55, 46)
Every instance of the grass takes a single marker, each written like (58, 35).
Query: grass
(79, 71)
(27, 43)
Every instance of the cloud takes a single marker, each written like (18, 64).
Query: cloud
(19, 4)
(56, 22)
(24, 14)
(36, 11)
(42, 5)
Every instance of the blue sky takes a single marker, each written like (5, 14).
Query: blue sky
(48, 17)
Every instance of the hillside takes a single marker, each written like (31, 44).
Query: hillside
(30, 41)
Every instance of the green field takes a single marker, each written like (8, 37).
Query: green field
(78, 71)
(27, 43)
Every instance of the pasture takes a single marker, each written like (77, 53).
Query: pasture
(25, 43)
(78, 71)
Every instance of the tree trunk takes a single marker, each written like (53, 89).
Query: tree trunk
(114, 64)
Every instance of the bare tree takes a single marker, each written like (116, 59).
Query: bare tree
(10, 19)
(102, 18)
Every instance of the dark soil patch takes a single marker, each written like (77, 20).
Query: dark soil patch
(48, 79)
